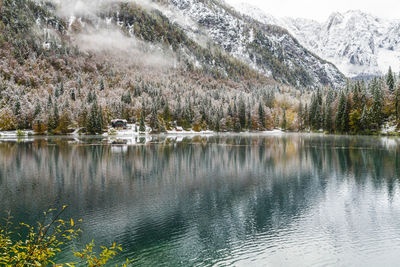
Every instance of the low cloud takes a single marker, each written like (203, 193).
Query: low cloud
(103, 38)
(114, 43)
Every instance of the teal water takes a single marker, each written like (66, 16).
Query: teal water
(229, 200)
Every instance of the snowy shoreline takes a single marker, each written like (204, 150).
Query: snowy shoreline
(132, 133)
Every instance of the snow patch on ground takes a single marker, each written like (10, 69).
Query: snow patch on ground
(21, 133)
(389, 128)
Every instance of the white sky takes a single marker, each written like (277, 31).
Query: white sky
(321, 9)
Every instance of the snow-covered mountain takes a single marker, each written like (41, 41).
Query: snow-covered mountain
(359, 44)
(270, 50)
(211, 24)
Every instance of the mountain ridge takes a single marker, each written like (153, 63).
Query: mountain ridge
(358, 43)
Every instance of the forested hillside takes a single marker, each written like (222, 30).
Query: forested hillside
(62, 70)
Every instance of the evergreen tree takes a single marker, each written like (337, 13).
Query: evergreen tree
(126, 98)
(101, 87)
(376, 109)
(91, 97)
(364, 120)
(95, 120)
(341, 120)
(17, 108)
(154, 124)
(166, 112)
(269, 101)
(300, 116)
(18, 114)
(73, 96)
(235, 111)
(230, 111)
(79, 85)
(390, 80)
(261, 115)
(236, 125)
(142, 126)
(242, 113)
(61, 91)
(38, 109)
(49, 102)
(284, 120)
(57, 93)
(56, 115)
(397, 103)
(178, 110)
(328, 119)
(249, 120)
(357, 96)
(306, 117)
(315, 111)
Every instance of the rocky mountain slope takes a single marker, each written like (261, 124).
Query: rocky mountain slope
(270, 50)
(211, 37)
(358, 43)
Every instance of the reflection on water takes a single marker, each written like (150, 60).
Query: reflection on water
(219, 200)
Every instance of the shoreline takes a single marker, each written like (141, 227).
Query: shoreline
(124, 134)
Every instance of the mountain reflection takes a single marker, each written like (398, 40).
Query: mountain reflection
(194, 200)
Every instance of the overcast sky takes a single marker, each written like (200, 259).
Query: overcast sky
(321, 9)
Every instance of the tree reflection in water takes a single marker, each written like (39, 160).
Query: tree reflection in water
(206, 200)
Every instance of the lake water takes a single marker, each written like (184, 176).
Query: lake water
(227, 200)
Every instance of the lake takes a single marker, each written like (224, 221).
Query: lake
(224, 200)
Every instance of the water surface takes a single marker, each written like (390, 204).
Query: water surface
(228, 200)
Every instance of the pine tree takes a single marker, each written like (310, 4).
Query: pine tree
(57, 92)
(340, 121)
(357, 96)
(79, 85)
(95, 120)
(377, 105)
(364, 120)
(56, 115)
(242, 113)
(249, 120)
(230, 111)
(397, 103)
(178, 110)
(284, 120)
(390, 80)
(73, 96)
(300, 116)
(101, 87)
(38, 109)
(61, 88)
(126, 98)
(91, 97)
(17, 108)
(328, 119)
(261, 115)
(166, 112)
(315, 111)
(18, 115)
(154, 124)
(217, 125)
(306, 117)
(49, 102)
(269, 101)
(142, 126)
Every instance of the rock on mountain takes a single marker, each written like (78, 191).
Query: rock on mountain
(358, 43)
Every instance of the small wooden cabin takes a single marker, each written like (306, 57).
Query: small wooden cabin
(119, 123)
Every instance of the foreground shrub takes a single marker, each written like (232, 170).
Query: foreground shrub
(41, 244)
